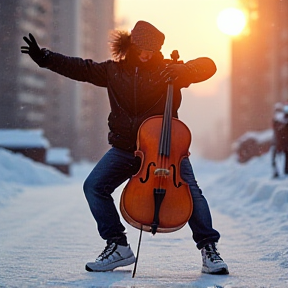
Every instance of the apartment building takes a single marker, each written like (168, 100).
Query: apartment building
(72, 114)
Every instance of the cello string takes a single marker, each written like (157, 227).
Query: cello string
(163, 138)
(169, 120)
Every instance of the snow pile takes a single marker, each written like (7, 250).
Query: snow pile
(17, 171)
(248, 185)
(58, 155)
(259, 136)
(19, 138)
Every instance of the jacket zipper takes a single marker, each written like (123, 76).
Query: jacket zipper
(135, 91)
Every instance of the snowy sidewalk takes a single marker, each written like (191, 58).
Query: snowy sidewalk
(48, 235)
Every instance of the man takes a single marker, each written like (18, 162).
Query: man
(136, 83)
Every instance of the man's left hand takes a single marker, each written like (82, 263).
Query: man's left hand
(173, 71)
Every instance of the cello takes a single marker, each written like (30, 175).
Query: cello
(156, 199)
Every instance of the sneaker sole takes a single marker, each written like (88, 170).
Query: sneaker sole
(124, 262)
(220, 271)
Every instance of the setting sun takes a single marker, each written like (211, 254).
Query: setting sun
(231, 21)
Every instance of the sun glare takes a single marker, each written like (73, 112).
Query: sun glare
(231, 21)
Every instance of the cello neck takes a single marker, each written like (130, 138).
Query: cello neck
(165, 139)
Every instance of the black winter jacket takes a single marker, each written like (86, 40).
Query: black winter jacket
(135, 93)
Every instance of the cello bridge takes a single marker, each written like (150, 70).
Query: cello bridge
(161, 172)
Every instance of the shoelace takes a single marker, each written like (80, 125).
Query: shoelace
(213, 254)
(108, 250)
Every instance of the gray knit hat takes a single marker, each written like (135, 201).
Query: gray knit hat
(147, 37)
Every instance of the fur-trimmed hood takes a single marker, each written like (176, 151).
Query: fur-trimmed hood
(120, 43)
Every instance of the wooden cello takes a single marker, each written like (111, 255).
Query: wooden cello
(156, 199)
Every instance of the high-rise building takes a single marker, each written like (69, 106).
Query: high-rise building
(259, 66)
(23, 93)
(72, 114)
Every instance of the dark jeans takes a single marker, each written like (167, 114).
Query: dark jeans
(112, 170)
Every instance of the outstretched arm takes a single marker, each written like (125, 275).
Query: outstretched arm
(71, 67)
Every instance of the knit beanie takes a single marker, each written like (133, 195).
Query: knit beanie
(147, 37)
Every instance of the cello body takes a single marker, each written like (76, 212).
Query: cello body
(158, 173)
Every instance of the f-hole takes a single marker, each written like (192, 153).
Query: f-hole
(147, 173)
(174, 177)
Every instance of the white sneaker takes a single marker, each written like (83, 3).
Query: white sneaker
(113, 256)
(212, 262)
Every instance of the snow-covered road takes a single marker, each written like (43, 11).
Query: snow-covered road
(48, 234)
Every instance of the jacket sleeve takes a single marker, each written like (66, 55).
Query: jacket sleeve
(197, 70)
(76, 68)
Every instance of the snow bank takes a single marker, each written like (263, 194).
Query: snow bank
(250, 183)
(58, 155)
(19, 138)
(17, 170)
(258, 136)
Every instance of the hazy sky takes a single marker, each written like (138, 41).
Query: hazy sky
(190, 26)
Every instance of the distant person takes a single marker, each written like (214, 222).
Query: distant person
(136, 82)
(280, 129)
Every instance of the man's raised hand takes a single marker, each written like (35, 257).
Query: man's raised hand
(33, 49)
